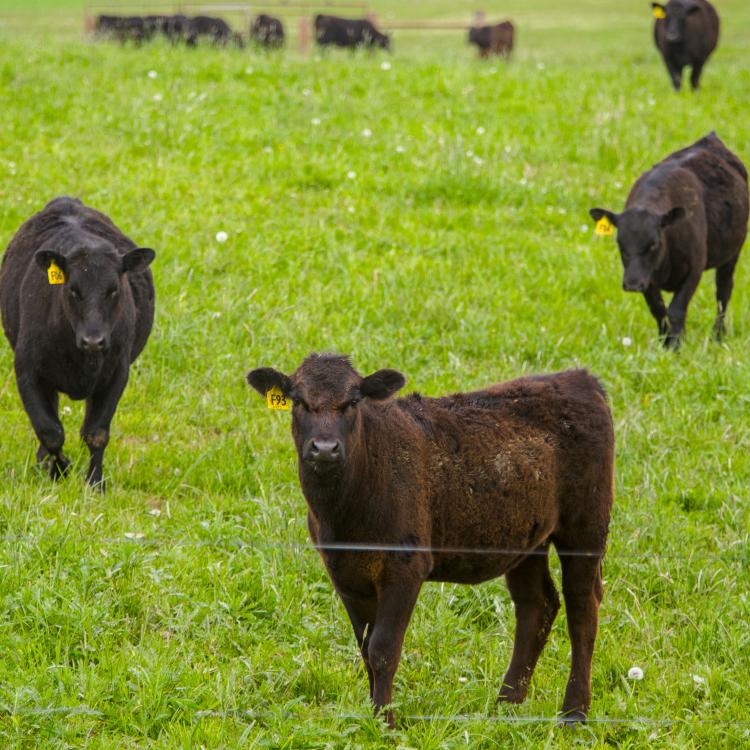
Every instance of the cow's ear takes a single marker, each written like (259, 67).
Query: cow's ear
(672, 216)
(658, 6)
(382, 384)
(597, 214)
(45, 258)
(265, 378)
(694, 8)
(138, 260)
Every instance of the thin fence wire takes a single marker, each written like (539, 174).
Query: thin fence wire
(258, 716)
(741, 555)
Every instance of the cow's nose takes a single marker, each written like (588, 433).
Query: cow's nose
(93, 343)
(633, 286)
(673, 37)
(325, 450)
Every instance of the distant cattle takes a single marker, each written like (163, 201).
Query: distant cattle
(686, 33)
(267, 31)
(349, 32)
(77, 305)
(493, 40)
(216, 30)
(685, 215)
(123, 28)
(462, 488)
(175, 27)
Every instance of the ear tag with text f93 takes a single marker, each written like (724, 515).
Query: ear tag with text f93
(277, 400)
(659, 13)
(55, 274)
(604, 227)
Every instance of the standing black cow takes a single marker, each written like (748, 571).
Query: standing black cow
(493, 40)
(77, 304)
(686, 33)
(349, 32)
(215, 29)
(267, 31)
(687, 214)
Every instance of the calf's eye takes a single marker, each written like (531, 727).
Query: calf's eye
(112, 293)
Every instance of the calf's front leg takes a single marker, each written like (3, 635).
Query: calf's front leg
(658, 309)
(677, 311)
(100, 408)
(40, 402)
(396, 600)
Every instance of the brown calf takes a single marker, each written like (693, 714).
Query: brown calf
(463, 488)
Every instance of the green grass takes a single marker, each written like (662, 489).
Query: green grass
(213, 629)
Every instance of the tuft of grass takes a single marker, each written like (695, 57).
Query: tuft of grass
(183, 609)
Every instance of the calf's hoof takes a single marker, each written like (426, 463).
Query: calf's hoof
(99, 485)
(57, 466)
(510, 694)
(571, 718)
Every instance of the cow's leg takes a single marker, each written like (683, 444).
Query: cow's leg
(675, 73)
(536, 603)
(655, 303)
(396, 602)
(362, 616)
(724, 286)
(583, 592)
(100, 408)
(677, 311)
(695, 75)
(41, 404)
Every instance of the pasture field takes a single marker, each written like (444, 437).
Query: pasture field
(430, 216)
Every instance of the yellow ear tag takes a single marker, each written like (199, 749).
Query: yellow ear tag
(55, 274)
(659, 13)
(604, 227)
(277, 400)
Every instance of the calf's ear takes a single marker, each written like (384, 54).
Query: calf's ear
(672, 216)
(137, 260)
(382, 384)
(265, 378)
(597, 214)
(45, 258)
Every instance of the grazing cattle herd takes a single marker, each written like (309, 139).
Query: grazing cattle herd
(401, 491)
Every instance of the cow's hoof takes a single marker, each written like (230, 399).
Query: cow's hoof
(57, 466)
(571, 719)
(509, 694)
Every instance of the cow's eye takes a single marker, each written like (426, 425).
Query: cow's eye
(353, 402)
(75, 294)
(112, 293)
(299, 402)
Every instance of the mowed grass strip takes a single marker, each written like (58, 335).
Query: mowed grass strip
(431, 216)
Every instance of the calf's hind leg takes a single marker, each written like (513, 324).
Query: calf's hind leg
(536, 603)
(724, 286)
(583, 592)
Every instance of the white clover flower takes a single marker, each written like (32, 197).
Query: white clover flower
(584, 229)
(635, 673)
(385, 65)
(540, 66)
(441, 141)
(463, 679)
(315, 121)
(400, 149)
(133, 535)
(627, 341)
(478, 160)
(152, 74)
(351, 174)
(306, 92)
(267, 150)
(350, 209)
(481, 130)
(249, 70)
(469, 153)
(699, 681)
(66, 411)
(507, 149)
(222, 236)
(158, 97)
(367, 133)
(155, 512)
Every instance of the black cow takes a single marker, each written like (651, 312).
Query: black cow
(349, 32)
(215, 29)
(686, 33)
(77, 304)
(687, 214)
(493, 40)
(176, 27)
(267, 31)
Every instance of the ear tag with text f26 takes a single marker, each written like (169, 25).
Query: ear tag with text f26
(277, 400)
(604, 227)
(659, 13)
(55, 274)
